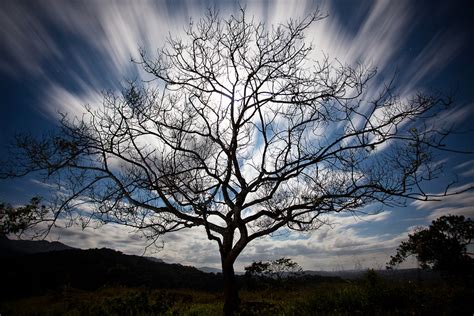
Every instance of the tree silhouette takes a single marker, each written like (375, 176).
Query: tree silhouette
(275, 269)
(19, 219)
(441, 247)
(243, 134)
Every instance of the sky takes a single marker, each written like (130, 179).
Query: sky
(57, 56)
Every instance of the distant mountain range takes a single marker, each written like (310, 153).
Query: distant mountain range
(210, 270)
(9, 247)
(12, 247)
(401, 274)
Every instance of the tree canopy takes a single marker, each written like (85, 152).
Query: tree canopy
(443, 246)
(16, 220)
(275, 269)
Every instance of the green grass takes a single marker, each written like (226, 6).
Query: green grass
(370, 296)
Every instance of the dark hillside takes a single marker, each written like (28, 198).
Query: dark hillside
(9, 247)
(35, 274)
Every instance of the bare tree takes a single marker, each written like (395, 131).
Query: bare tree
(242, 133)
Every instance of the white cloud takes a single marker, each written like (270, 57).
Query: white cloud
(61, 101)
(466, 168)
(187, 247)
(340, 246)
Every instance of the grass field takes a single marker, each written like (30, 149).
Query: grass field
(368, 296)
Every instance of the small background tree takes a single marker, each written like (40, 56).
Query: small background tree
(16, 220)
(443, 247)
(275, 269)
(272, 272)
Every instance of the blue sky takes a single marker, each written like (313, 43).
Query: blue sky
(59, 55)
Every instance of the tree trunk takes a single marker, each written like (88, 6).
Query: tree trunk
(231, 291)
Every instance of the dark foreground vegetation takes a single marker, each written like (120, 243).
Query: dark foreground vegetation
(367, 296)
(107, 282)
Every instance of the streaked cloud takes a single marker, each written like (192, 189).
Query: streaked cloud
(340, 242)
(26, 41)
(79, 48)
